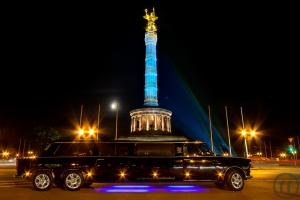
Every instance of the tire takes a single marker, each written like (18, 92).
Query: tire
(235, 180)
(42, 180)
(73, 180)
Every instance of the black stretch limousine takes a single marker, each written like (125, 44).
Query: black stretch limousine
(76, 164)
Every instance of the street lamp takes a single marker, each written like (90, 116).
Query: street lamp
(252, 133)
(115, 106)
(91, 132)
(245, 134)
(80, 132)
(283, 155)
(5, 154)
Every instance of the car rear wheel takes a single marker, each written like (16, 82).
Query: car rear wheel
(73, 180)
(235, 180)
(42, 180)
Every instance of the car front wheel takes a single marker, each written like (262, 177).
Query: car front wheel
(235, 180)
(42, 180)
(73, 180)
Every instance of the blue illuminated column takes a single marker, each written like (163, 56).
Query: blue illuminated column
(150, 61)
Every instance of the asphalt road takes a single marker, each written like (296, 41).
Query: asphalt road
(260, 187)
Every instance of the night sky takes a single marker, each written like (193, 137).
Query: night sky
(57, 57)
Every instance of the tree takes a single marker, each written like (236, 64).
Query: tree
(45, 136)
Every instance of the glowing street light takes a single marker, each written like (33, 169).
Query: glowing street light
(5, 154)
(91, 132)
(225, 154)
(252, 133)
(81, 132)
(244, 133)
(259, 153)
(115, 106)
(283, 155)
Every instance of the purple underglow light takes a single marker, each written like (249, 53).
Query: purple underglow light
(151, 188)
(183, 190)
(131, 186)
(181, 186)
(127, 190)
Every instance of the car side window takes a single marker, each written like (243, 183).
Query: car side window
(147, 149)
(205, 150)
(50, 150)
(179, 150)
(106, 149)
(196, 150)
(73, 149)
(123, 149)
(66, 149)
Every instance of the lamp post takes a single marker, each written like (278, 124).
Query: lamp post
(245, 134)
(98, 123)
(229, 143)
(115, 106)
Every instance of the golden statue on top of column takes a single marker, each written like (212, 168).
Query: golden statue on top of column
(151, 18)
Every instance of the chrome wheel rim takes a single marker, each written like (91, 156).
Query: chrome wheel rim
(236, 180)
(42, 181)
(73, 180)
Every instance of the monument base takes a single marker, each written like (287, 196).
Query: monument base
(150, 120)
(154, 138)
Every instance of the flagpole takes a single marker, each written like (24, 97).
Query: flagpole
(211, 133)
(80, 119)
(245, 140)
(98, 129)
(19, 149)
(229, 143)
(266, 154)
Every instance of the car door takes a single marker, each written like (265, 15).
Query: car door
(106, 165)
(197, 165)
